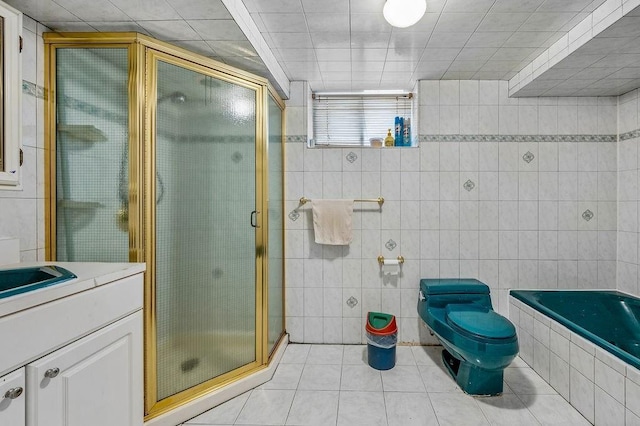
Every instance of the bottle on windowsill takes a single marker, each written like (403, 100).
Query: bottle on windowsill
(389, 140)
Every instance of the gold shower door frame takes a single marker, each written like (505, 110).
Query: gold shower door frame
(143, 54)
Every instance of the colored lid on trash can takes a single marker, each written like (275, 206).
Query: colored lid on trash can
(381, 323)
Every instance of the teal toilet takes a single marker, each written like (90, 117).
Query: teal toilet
(478, 342)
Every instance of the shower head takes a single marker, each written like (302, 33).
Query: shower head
(175, 98)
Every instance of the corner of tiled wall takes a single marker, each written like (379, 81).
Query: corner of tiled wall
(23, 210)
(628, 219)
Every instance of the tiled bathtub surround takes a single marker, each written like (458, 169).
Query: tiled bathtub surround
(520, 193)
(605, 390)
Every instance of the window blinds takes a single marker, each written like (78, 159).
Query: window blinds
(352, 119)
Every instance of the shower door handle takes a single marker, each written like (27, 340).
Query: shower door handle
(254, 219)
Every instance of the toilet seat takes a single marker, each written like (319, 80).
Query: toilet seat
(478, 323)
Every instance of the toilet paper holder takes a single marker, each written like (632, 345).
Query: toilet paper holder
(381, 260)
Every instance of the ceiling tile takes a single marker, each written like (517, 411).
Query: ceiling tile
(329, 40)
(400, 66)
(629, 72)
(404, 55)
(594, 73)
(516, 5)
(628, 26)
(297, 54)
(528, 39)
(440, 54)
(200, 9)
(233, 48)
(291, 40)
(44, 10)
(448, 40)
(413, 40)
(197, 46)
(546, 21)
(147, 10)
(618, 60)
(170, 30)
(476, 53)
(333, 54)
(335, 6)
(458, 75)
(368, 75)
(284, 22)
(369, 22)
(69, 26)
(511, 54)
(565, 5)
(334, 75)
(458, 22)
(334, 66)
(466, 66)
(367, 66)
(503, 21)
(426, 24)
(327, 22)
(370, 40)
(368, 6)
(99, 11)
(368, 55)
(118, 26)
(482, 6)
(502, 66)
(217, 29)
(278, 6)
(488, 39)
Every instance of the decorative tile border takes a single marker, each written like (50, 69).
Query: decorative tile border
(630, 135)
(296, 138)
(32, 89)
(518, 138)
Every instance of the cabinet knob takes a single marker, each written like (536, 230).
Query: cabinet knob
(51, 373)
(13, 393)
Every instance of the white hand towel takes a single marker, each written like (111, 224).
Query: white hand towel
(332, 221)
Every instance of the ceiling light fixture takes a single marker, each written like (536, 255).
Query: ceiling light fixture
(404, 13)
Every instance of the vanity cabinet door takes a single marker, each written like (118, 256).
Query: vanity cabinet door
(12, 398)
(95, 381)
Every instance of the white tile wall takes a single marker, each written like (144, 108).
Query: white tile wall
(520, 224)
(628, 219)
(23, 210)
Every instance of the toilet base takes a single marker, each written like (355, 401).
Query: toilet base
(471, 379)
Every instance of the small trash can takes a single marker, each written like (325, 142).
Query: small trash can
(382, 336)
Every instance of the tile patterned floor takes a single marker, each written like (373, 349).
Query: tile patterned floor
(334, 385)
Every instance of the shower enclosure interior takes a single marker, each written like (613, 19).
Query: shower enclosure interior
(162, 156)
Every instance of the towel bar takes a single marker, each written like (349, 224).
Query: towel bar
(379, 200)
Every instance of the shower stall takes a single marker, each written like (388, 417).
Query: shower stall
(162, 156)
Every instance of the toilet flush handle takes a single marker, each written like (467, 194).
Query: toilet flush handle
(422, 298)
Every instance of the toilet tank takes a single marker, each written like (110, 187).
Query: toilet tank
(439, 292)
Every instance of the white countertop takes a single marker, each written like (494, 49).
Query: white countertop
(89, 275)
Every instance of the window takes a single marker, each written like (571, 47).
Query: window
(355, 119)
(10, 90)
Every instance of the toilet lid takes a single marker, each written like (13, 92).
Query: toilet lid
(481, 323)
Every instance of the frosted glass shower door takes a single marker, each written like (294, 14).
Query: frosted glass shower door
(205, 203)
(91, 154)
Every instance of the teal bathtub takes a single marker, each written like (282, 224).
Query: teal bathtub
(609, 319)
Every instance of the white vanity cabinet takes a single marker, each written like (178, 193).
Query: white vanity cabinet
(91, 381)
(77, 357)
(12, 398)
